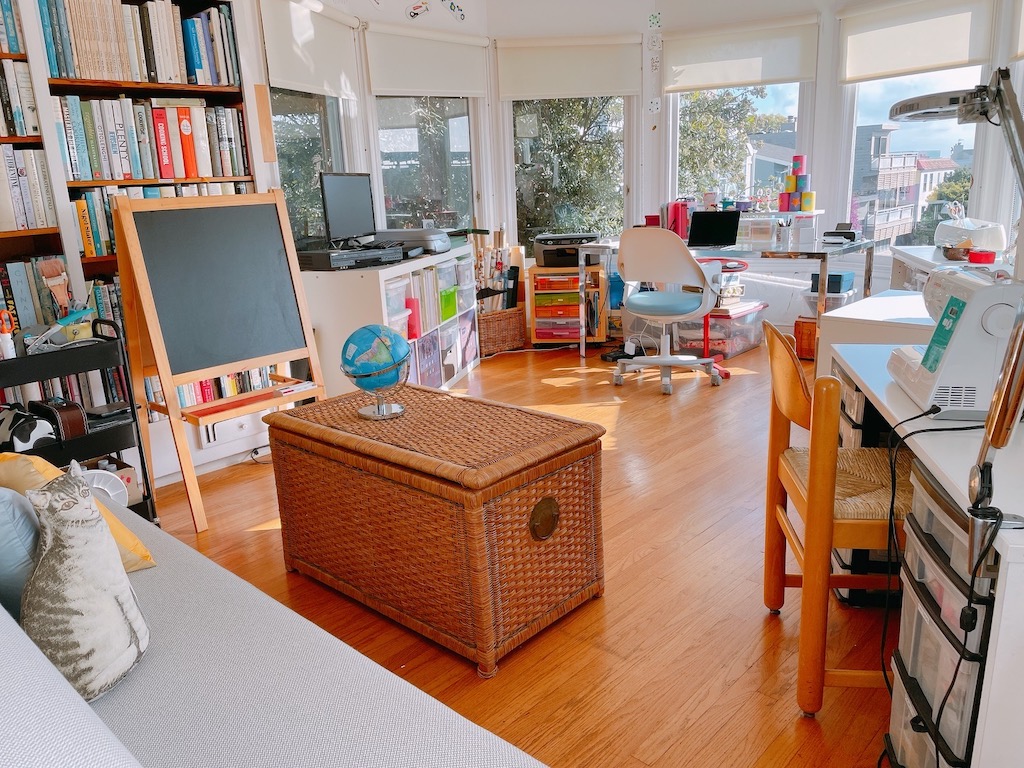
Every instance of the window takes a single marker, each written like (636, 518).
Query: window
(895, 193)
(738, 141)
(425, 157)
(307, 134)
(569, 165)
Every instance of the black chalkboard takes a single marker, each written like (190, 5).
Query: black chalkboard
(221, 284)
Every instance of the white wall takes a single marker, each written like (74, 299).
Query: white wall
(437, 18)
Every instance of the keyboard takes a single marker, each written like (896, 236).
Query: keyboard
(382, 244)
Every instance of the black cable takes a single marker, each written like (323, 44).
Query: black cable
(892, 544)
(982, 556)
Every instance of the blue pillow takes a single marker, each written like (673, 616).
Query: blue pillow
(19, 534)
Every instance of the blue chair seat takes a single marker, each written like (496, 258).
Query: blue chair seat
(663, 303)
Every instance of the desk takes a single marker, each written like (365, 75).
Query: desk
(911, 265)
(949, 458)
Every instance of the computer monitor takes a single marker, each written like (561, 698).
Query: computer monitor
(348, 205)
(713, 229)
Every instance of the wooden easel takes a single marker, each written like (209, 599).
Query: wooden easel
(151, 320)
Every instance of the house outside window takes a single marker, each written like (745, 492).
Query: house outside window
(307, 135)
(905, 172)
(426, 161)
(569, 166)
(737, 141)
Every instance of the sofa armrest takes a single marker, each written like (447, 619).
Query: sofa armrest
(43, 720)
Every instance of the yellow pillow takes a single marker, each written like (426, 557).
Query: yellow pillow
(21, 472)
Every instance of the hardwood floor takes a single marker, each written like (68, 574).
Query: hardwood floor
(679, 664)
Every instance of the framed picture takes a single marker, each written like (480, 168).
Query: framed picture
(428, 359)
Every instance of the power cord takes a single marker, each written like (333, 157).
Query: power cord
(255, 459)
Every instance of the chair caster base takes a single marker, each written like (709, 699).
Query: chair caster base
(617, 379)
(666, 389)
(774, 611)
(808, 715)
(716, 380)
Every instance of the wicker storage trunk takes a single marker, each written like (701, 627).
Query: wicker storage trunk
(474, 523)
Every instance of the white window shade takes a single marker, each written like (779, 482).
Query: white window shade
(1018, 19)
(531, 70)
(435, 65)
(913, 37)
(780, 54)
(310, 48)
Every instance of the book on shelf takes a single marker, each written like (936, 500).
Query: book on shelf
(26, 199)
(10, 40)
(150, 41)
(19, 115)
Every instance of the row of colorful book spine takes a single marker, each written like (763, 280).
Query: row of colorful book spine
(11, 35)
(91, 389)
(208, 390)
(18, 113)
(140, 42)
(95, 220)
(122, 139)
(26, 194)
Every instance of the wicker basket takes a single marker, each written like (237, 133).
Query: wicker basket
(502, 330)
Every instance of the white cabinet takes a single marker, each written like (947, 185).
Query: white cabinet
(445, 344)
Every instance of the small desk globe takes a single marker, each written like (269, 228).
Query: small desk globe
(377, 360)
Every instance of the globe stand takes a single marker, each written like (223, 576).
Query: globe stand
(381, 410)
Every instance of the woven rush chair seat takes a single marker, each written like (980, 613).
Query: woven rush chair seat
(862, 481)
(842, 496)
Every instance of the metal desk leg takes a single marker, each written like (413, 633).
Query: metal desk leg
(869, 265)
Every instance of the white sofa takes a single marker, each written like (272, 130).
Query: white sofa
(231, 678)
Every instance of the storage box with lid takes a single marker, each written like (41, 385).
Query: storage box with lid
(395, 292)
(400, 323)
(731, 331)
(556, 329)
(476, 524)
(449, 300)
(465, 271)
(446, 275)
(465, 297)
(910, 746)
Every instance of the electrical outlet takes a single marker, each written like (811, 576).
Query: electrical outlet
(654, 106)
(655, 64)
(654, 41)
(654, 21)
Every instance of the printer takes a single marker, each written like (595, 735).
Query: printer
(430, 240)
(551, 250)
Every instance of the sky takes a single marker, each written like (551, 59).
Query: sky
(875, 98)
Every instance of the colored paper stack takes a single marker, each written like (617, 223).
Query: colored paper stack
(797, 195)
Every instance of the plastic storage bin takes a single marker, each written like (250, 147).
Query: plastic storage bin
(550, 299)
(394, 293)
(935, 511)
(446, 275)
(912, 748)
(931, 659)
(466, 297)
(838, 282)
(557, 310)
(449, 302)
(731, 331)
(950, 596)
(464, 272)
(556, 329)
(399, 323)
(832, 300)
(556, 283)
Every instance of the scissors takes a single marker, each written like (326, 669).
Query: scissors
(6, 321)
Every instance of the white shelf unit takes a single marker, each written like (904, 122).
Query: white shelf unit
(344, 300)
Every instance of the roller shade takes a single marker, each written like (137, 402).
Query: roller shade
(532, 70)
(786, 53)
(412, 65)
(914, 37)
(310, 48)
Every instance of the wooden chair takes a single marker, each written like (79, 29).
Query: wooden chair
(842, 497)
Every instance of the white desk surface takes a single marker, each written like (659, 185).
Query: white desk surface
(889, 306)
(928, 257)
(949, 458)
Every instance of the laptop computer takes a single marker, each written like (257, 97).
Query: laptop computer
(713, 229)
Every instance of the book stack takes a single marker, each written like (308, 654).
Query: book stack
(124, 139)
(26, 195)
(10, 28)
(18, 113)
(139, 42)
(424, 288)
(26, 290)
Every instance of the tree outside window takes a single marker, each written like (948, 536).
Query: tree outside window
(426, 161)
(307, 137)
(569, 166)
(739, 142)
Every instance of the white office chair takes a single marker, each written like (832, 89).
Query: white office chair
(686, 290)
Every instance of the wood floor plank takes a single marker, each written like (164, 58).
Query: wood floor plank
(679, 664)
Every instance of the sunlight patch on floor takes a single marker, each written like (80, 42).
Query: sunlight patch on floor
(270, 525)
